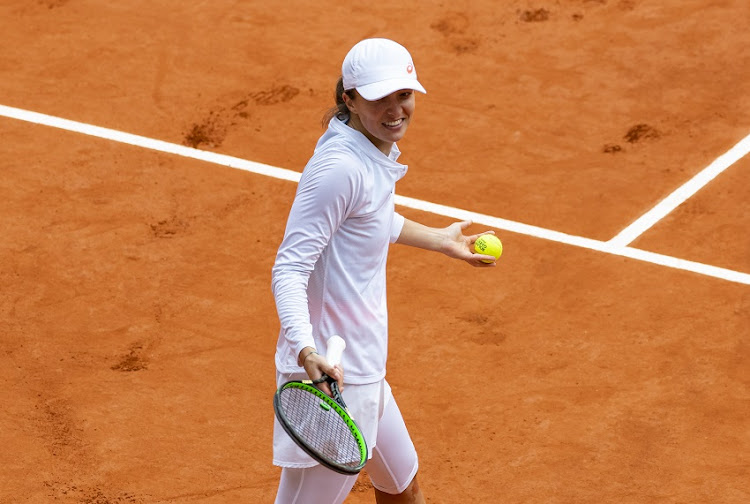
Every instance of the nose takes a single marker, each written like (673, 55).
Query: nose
(393, 106)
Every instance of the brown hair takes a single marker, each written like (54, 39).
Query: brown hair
(340, 111)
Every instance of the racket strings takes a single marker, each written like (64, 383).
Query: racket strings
(321, 428)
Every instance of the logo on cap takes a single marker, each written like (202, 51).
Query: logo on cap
(409, 68)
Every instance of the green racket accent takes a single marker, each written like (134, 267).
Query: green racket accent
(321, 425)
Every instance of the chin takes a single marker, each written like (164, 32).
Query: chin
(395, 136)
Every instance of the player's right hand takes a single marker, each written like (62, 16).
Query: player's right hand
(316, 365)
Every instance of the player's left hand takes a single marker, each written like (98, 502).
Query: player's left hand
(460, 246)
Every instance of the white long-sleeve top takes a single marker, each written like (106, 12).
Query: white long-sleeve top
(330, 271)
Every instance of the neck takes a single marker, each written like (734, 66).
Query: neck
(383, 146)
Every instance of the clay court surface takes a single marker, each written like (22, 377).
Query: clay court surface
(137, 325)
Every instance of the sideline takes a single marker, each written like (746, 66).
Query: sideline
(681, 194)
(616, 246)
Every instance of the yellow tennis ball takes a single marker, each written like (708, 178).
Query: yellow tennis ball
(489, 244)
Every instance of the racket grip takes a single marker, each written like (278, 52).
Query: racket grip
(336, 346)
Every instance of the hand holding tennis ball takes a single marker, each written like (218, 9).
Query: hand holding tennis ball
(489, 244)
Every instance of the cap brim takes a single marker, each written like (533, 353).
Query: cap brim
(378, 90)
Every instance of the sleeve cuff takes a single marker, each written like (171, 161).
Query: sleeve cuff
(397, 226)
(302, 345)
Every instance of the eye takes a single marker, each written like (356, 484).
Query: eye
(406, 94)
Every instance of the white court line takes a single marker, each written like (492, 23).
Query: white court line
(578, 241)
(456, 213)
(149, 143)
(679, 196)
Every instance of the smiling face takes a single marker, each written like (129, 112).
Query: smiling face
(382, 121)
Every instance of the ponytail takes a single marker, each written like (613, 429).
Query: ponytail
(340, 111)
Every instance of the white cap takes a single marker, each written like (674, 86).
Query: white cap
(377, 67)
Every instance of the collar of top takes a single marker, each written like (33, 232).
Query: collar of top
(366, 147)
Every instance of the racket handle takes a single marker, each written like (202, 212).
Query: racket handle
(336, 346)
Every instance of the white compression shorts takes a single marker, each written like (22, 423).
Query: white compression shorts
(393, 459)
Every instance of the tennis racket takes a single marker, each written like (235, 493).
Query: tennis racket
(321, 425)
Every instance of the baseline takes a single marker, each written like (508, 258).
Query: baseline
(285, 174)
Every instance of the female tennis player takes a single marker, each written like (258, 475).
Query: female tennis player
(330, 273)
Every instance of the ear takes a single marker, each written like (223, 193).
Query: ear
(349, 102)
